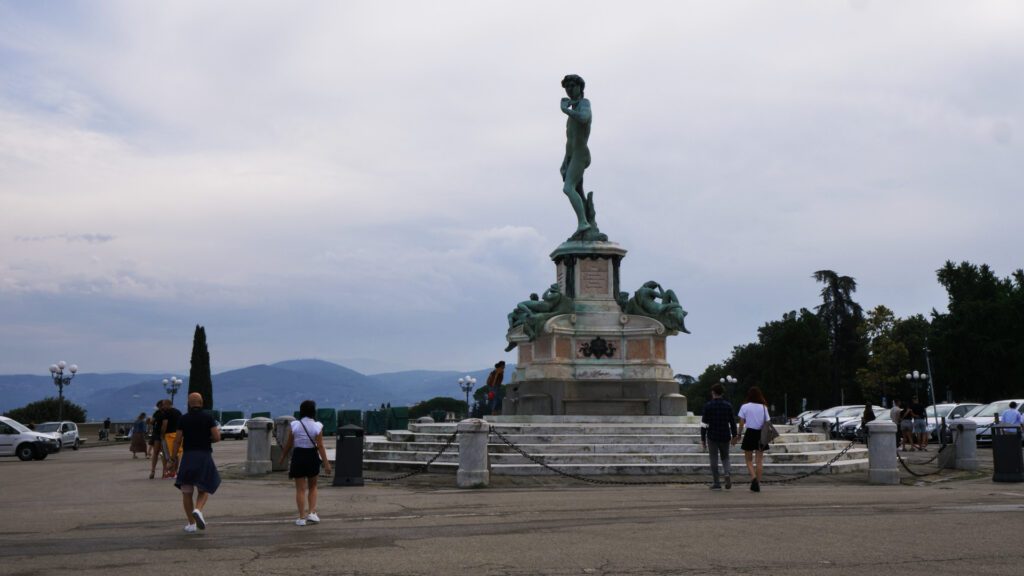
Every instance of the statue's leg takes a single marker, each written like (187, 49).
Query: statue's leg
(573, 189)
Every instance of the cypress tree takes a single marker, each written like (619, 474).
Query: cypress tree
(199, 379)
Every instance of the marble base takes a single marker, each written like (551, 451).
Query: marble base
(596, 360)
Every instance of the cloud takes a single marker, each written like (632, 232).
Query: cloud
(383, 178)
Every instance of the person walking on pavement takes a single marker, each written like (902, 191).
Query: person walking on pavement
(307, 437)
(196, 433)
(753, 414)
(169, 432)
(717, 433)
(920, 423)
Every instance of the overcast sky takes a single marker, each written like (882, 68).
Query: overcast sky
(379, 180)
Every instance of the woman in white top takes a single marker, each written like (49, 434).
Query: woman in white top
(306, 435)
(753, 414)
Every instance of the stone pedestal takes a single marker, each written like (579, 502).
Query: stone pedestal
(596, 360)
(282, 424)
(474, 465)
(257, 455)
(965, 441)
(883, 466)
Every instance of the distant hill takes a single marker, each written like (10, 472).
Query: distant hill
(278, 388)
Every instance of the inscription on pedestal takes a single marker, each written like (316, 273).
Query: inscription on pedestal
(594, 277)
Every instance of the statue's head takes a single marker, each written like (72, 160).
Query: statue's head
(533, 296)
(555, 288)
(573, 79)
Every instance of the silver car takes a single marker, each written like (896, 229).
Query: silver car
(986, 415)
(937, 412)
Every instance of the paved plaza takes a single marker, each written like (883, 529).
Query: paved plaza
(95, 511)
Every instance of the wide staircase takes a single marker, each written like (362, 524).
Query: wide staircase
(605, 445)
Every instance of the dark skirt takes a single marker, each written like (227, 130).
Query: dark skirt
(305, 463)
(138, 442)
(752, 440)
(197, 468)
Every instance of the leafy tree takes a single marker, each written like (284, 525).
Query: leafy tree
(438, 403)
(978, 346)
(46, 410)
(199, 378)
(795, 361)
(887, 358)
(841, 315)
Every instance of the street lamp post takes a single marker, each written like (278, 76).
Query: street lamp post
(60, 380)
(171, 386)
(916, 379)
(467, 385)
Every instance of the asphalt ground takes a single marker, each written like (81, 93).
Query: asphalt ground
(95, 511)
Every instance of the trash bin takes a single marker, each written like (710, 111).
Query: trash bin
(348, 456)
(1007, 458)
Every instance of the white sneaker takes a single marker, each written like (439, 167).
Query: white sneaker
(300, 522)
(313, 517)
(190, 528)
(200, 521)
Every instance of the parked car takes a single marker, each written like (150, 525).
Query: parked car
(851, 428)
(802, 417)
(17, 440)
(826, 419)
(947, 411)
(234, 429)
(985, 416)
(66, 433)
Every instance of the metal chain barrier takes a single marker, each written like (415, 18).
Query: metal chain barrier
(929, 461)
(816, 470)
(422, 468)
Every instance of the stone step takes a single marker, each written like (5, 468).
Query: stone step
(496, 446)
(675, 438)
(738, 469)
(667, 458)
(447, 429)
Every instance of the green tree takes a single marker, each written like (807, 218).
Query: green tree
(438, 403)
(46, 410)
(199, 378)
(977, 345)
(841, 315)
(887, 358)
(795, 361)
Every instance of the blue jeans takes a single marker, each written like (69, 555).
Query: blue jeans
(718, 450)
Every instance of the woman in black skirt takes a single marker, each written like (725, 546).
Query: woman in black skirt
(307, 438)
(753, 414)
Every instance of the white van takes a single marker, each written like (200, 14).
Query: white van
(17, 440)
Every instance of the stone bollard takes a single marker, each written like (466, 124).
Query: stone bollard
(883, 467)
(474, 465)
(965, 440)
(257, 455)
(282, 424)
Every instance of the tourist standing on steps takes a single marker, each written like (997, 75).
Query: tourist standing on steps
(717, 432)
(494, 387)
(753, 414)
(307, 437)
(196, 433)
